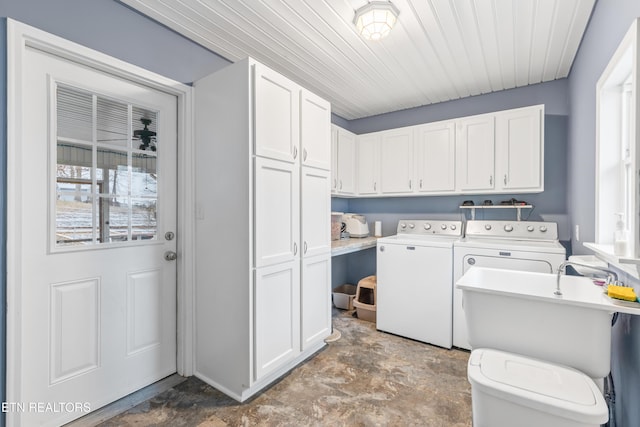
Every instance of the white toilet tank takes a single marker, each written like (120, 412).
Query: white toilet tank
(508, 389)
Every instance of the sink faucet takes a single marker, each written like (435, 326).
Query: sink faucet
(612, 276)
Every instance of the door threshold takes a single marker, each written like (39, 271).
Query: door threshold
(122, 405)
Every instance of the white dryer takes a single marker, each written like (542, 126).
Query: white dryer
(414, 280)
(510, 245)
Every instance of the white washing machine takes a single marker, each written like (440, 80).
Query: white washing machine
(414, 280)
(510, 245)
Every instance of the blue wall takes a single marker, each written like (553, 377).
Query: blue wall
(609, 22)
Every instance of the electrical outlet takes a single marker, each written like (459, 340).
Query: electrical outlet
(577, 233)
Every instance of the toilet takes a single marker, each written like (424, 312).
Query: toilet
(509, 389)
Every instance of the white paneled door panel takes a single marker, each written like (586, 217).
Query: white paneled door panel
(519, 148)
(315, 194)
(368, 161)
(98, 298)
(277, 211)
(475, 153)
(435, 156)
(276, 317)
(396, 161)
(276, 115)
(315, 130)
(316, 299)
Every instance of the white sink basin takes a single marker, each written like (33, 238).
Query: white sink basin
(517, 311)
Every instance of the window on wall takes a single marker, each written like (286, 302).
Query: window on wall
(617, 143)
(105, 170)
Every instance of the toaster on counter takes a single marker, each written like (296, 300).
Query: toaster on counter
(356, 225)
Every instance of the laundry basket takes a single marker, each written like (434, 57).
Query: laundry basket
(366, 299)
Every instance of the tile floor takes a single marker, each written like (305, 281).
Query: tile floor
(367, 378)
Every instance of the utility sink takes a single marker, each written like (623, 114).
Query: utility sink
(517, 311)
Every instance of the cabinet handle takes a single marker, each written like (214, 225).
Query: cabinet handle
(304, 154)
(335, 183)
(490, 179)
(421, 184)
(409, 184)
(295, 248)
(305, 247)
(375, 184)
(295, 152)
(505, 179)
(340, 184)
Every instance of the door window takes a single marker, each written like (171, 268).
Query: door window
(106, 186)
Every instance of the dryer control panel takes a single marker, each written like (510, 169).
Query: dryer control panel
(520, 230)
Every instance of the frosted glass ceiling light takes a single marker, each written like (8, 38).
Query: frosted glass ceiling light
(375, 20)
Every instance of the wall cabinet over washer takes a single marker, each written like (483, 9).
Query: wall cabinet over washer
(500, 152)
(263, 244)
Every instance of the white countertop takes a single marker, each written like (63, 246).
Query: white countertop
(540, 286)
(352, 244)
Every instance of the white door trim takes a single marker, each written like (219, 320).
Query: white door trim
(21, 36)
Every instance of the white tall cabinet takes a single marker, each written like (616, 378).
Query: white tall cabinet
(263, 150)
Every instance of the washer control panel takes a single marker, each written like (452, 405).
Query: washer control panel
(521, 230)
(429, 227)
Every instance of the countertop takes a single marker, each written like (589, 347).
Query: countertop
(352, 244)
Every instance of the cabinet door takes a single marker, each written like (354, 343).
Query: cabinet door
(475, 153)
(334, 159)
(277, 211)
(316, 212)
(396, 161)
(276, 316)
(346, 162)
(435, 152)
(520, 149)
(315, 130)
(368, 166)
(316, 300)
(277, 113)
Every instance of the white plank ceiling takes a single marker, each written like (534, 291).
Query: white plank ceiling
(440, 50)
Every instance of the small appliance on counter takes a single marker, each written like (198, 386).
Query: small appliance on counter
(356, 225)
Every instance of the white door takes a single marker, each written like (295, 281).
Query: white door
(315, 196)
(276, 115)
(475, 153)
(97, 299)
(436, 157)
(368, 153)
(277, 211)
(346, 162)
(315, 299)
(519, 147)
(277, 316)
(396, 161)
(315, 130)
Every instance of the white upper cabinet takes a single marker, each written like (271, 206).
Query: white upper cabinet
(396, 161)
(435, 149)
(500, 152)
(315, 130)
(475, 154)
(345, 162)
(277, 207)
(519, 149)
(276, 115)
(368, 155)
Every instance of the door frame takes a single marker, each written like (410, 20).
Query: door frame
(21, 36)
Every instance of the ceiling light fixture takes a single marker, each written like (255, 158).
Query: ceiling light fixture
(375, 20)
